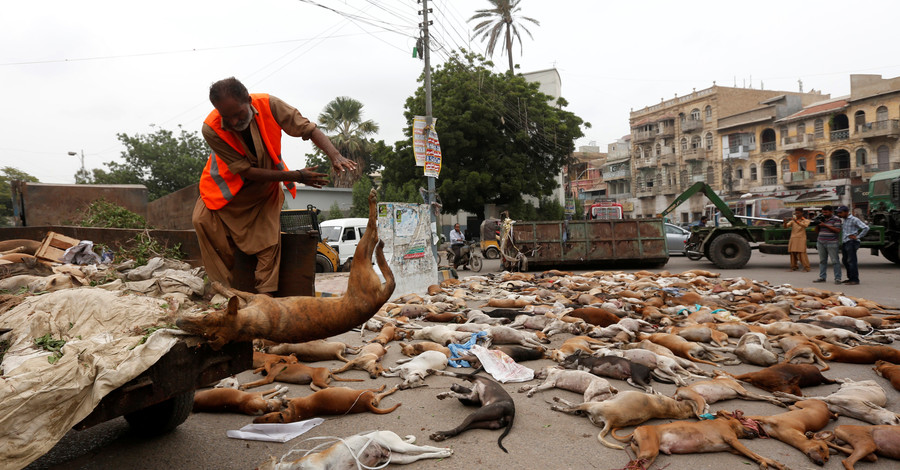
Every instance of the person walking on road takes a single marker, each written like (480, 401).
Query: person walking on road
(797, 243)
(852, 232)
(827, 243)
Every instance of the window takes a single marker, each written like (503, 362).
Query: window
(658, 149)
(883, 153)
(784, 132)
(684, 144)
(819, 128)
(881, 114)
(785, 166)
(860, 157)
(349, 234)
(695, 114)
(709, 141)
(739, 172)
(681, 117)
(753, 172)
(801, 164)
(859, 119)
(695, 142)
(801, 130)
(820, 164)
(708, 113)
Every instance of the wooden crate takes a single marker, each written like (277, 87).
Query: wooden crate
(54, 246)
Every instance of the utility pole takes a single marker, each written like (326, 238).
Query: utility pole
(426, 55)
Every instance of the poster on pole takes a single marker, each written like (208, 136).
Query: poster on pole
(419, 143)
(433, 154)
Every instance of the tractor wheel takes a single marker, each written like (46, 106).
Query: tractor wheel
(162, 417)
(492, 252)
(729, 251)
(892, 253)
(323, 264)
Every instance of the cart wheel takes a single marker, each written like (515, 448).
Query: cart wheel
(323, 264)
(492, 253)
(476, 263)
(162, 417)
(892, 253)
(729, 251)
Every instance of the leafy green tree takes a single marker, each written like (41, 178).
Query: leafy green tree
(343, 123)
(550, 209)
(335, 211)
(503, 19)
(500, 138)
(371, 162)
(9, 174)
(361, 188)
(161, 161)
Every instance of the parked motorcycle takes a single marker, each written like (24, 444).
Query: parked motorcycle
(469, 256)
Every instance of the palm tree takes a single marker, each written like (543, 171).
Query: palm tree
(501, 19)
(342, 120)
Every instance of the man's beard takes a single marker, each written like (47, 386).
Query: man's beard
(243, 125)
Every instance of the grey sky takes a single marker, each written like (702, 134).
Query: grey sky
(77, 73)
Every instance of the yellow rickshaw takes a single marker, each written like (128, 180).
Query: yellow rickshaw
(490, 236)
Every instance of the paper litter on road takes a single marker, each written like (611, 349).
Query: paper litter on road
(502, 367)
(274, 432)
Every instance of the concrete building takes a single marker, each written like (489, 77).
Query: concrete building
(617, 169)
(676, 143)
(584, 177)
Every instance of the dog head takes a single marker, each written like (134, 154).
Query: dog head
(217, 327)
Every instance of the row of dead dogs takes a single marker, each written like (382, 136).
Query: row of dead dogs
(861, 400)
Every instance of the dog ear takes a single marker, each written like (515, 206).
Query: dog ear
(233, 304)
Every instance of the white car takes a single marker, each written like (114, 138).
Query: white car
(343, 235)
(676, 237)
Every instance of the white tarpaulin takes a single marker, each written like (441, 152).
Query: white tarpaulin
(40, 401)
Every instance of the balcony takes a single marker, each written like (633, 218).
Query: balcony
(741, 185)
(840, 173)
(767, 146)
(696, 154)
(645, 162)
(697, 178)
(666, 131)
(643, 136)
(840, 134)
(886, 128)
(741, 152)
(617, 196)
(620, 174)
(645, 192)
(691, 125)
(799, 179)
(795, 142)
(667, 159)
(770, 180)
(670, 189)
(876, 167)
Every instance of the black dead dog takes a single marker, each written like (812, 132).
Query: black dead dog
(507, 313)
(637, 375)
(497, 408)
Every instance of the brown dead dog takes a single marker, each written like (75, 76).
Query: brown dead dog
(865, 442)
(260, 359)
(576, 343)
(720, 388)
(683, 348)
(387, 334)
(863, 354)
(798, 349)
(297, 319)
(415, 349)
(683, 437)
(595, 316)
(331, 401)
(497, 408)
(229, 400)
(296, 373)
(888, 371)
(369, 360)
(805, 416)
(863, 400)
(784, 378)
(313, 351)
(627, 408)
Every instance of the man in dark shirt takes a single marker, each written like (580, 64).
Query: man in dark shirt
(829, 228)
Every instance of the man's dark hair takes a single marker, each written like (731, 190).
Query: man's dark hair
(798, 209)
(228, 88)
(703, 217)
(828, 208)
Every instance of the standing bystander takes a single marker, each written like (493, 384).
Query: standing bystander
(797, 243)
(852, 231)
(829, 228)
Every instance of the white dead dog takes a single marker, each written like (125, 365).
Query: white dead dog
(592, 387)
(413, 371)
(863, 400)
(372, 450)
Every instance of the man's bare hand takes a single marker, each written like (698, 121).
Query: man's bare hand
(310, 177)
(341, 164)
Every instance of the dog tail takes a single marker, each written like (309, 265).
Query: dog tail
(661, 378)
(626, 438)
(505, 432)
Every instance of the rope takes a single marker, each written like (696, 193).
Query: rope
(332, 440)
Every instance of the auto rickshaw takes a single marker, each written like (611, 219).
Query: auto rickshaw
(490, 236)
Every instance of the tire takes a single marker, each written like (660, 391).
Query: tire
(162, 417)
(892, 253)
(323, 264)
(691, 252)
(476, 263)
(492, 252)
(729, 251)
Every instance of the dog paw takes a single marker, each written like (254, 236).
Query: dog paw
(437, 437)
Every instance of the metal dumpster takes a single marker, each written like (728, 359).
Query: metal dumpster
(586, 243)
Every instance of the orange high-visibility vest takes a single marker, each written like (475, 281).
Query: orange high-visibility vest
(218, 185)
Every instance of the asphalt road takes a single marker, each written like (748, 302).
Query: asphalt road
(540, 438)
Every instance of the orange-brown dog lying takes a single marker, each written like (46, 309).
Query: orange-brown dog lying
(331, 401)
(312, 351)
(220, 400)
(297, 319)
(791, 427)
(295, 373)
(260, 359)
(889, 371)
(865, 442)
(369, 360)
(783, 377)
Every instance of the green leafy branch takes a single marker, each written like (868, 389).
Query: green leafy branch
(47, 343)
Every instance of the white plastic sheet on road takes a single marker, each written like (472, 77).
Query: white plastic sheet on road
(274, 432)
(39, 401)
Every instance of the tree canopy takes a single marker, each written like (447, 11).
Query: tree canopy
(502, 19)
(500, 138)
(342, 121)
(7, 175)
(161, 161)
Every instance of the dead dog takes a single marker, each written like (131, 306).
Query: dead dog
(497, 408)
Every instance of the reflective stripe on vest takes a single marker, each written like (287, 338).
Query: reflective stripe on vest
(218, 179)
